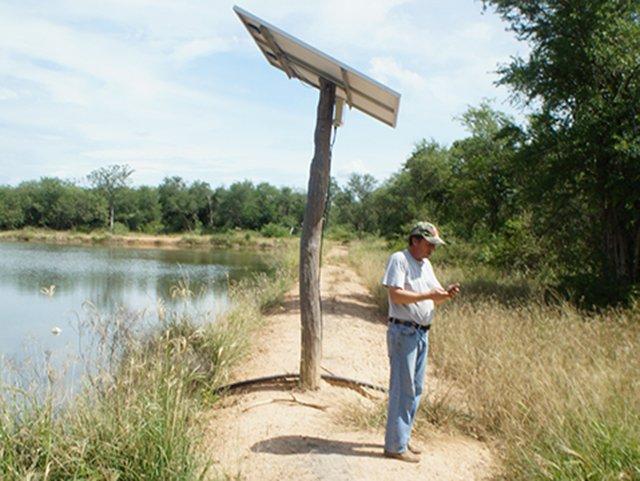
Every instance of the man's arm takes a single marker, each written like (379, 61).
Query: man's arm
(402, 296)
(453, 290)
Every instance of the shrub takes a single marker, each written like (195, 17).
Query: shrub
(120, 229)
(274, 230)
(341, 233)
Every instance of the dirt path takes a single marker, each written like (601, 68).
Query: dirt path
(278, 434)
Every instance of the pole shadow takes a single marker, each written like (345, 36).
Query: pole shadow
(289, 445)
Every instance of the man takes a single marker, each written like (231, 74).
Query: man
(413, 293)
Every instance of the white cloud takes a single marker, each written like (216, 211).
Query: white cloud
(201, 47)
(387, 68)
(179, 87)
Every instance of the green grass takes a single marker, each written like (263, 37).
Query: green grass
(556, 387)
(139, 416)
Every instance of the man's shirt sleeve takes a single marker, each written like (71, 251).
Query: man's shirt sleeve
(395, 273)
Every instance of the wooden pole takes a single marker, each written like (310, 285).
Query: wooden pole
(310, 312)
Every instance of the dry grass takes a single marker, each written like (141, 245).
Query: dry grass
(558, 388)
(231, 239)
(138, 418)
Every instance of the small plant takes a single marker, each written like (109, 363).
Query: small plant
(274, 230)
(341, 233)
(119, 229)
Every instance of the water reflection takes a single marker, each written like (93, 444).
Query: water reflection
(109, 278)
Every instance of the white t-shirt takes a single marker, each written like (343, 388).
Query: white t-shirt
(405, 272)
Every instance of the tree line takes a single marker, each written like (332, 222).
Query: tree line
(173, 206)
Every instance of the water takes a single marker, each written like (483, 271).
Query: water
(104, 280)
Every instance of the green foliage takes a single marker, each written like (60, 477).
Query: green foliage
(274, 230)
(516, 247)
(139, 209)
(353, 204)
(179, 206)
(109, 182)
(11, 209)
(419, 191)
(119, 228)
(582, 159)
(241, 206)
(484, 191)
(58, 204)
(585, 448)
(341, 233)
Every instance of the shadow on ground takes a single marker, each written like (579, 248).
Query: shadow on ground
(351, 305)
(288, 445)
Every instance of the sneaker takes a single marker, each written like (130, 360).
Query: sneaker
(414, 448)
(407, 457)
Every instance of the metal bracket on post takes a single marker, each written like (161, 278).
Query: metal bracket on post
(280, 55)
(347, 87)
(338, 112)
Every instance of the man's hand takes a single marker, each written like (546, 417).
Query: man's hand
(453, 290)
(439, 295)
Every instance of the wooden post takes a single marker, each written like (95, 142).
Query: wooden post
(310, 312)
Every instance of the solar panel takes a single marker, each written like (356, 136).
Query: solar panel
(300, 60)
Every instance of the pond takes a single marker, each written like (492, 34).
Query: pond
(46, 290)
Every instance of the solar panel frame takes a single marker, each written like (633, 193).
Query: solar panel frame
(298, 59)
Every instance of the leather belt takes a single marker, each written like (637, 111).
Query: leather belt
(394, 320)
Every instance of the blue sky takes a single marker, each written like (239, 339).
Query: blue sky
(179, 88)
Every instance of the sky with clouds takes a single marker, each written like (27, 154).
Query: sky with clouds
(179, 88)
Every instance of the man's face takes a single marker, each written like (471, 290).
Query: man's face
(424, 248)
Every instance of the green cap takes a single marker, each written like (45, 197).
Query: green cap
(428, 231)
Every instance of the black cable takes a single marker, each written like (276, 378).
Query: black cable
(325, 215)
(291, 378)
(325, 221)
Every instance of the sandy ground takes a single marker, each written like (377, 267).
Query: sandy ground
(134, 240)
(279, 433)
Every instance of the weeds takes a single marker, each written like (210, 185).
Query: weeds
(136, 418)
(557, 387)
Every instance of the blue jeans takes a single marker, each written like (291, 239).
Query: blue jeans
(408, 349)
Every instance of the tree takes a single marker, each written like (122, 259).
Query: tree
(11, 208)
(290, 207)
(178, 214)
(139, 209)
(583, 154)
(353, 203)
(109, 181)
(484, 184)
(203, 204)
(239, 206)
(421, 190)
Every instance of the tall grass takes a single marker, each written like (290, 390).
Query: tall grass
(137, 416)
(558, 388)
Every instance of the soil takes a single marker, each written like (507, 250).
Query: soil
(280, 433)
(137, 240)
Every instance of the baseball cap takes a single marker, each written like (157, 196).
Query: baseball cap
(428, 231)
